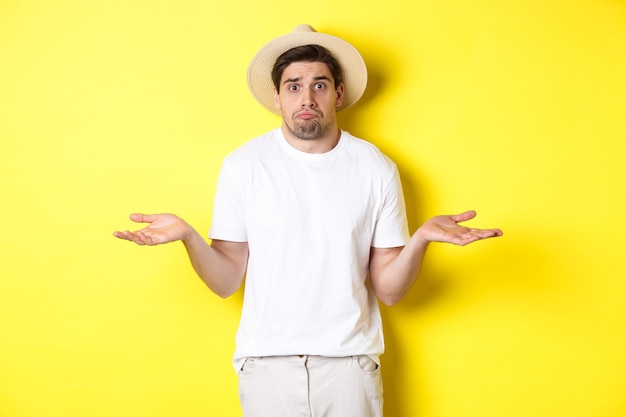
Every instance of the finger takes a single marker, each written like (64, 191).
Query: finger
(496, 232)
(488, 232)
(126, 235)
(462, 239)
(479, 234)
(120, 235)
(147, 238)
(463, 217)
(142, 218)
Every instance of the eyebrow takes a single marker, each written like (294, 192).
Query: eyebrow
(295, 80)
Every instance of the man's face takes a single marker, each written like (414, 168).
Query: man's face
(308, 99)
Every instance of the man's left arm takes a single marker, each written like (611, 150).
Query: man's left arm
(394, 270)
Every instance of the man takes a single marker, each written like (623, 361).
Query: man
(307, 213)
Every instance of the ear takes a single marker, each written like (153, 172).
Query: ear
(276, 99)
(340, 95)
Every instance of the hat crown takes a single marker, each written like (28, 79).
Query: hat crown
(304, 28)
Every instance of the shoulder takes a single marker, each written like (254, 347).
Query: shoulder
(367, 152)
(252, 150)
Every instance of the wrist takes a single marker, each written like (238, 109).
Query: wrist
(421, 239)
(189, 235)
(422, 236)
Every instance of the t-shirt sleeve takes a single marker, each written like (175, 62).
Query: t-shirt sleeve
(392, 228)
(229, 220)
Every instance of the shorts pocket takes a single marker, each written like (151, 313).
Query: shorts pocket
(367, 364)
(248, 367)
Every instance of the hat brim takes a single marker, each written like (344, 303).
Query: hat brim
(352, 64)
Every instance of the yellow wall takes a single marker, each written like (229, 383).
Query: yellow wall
(515, 109)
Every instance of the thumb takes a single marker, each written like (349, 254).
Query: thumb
(468, 215)
(142, 218)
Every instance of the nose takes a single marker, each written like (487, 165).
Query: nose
(307, 99)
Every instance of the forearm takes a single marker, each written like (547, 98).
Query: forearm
(221, 266)
(393, 278)
(393, 271)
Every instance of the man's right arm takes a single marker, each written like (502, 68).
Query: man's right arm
(221, 265)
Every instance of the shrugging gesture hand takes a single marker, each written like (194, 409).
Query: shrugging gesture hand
(162, 228)
(447, 229)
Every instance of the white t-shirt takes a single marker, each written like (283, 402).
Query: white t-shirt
(309, 220)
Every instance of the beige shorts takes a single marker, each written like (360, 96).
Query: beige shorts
(311, 386)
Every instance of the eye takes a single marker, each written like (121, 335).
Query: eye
(293, 87)
(319, 86)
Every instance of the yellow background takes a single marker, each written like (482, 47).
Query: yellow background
(515, 109)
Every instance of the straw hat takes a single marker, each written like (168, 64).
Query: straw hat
(352, 64)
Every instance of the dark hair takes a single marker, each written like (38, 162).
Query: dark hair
(306, 53)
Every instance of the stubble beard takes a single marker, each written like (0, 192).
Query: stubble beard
(307, 129)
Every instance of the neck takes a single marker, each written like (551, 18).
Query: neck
(322, 144)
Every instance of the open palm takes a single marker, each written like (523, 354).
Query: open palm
(162, 228)
(447, 229)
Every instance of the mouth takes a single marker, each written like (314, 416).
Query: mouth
(307, 115)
